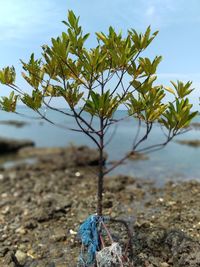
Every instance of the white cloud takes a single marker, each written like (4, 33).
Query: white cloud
(25, 17)
(157, 11)
(169, 12)
(150, 11)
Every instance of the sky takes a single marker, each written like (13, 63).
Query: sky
(25, 25)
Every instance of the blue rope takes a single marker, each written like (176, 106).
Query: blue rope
(89, 235)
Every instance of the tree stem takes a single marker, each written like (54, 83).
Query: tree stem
(101, 173)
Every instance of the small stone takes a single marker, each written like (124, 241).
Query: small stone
(77, 174)
(171, 203)
(20, 231)
(4, 195)
(31, 253)
(30, 224)
(12, 175)
(5, 210)
(164, 264)
(72, 232)
(21, 256)
(58, 235)
(3, 237)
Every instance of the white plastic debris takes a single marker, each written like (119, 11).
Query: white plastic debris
(72, 232)
(109, 255)
(77, 174)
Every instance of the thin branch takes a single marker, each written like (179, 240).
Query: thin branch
(58, 110)
(84, 130)
(148, 129)
(137, 133)
(123, 88)
(119, 162)
(89, 92)
(14, 87)
(56, 124)
(156, 147)
(82, 82)
(78, 116)
(27, 116)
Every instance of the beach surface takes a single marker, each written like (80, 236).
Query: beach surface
(43, 203)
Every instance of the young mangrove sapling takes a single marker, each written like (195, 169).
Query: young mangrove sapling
(95, 82)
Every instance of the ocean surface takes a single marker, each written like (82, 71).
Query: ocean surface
(174, 162)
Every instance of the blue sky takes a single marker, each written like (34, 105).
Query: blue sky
(25, 25)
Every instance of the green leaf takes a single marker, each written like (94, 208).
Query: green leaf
(7, 75)
(9, 103)
(35, 101)
(169, 89)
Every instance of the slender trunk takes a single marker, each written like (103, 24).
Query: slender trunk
(101, 174)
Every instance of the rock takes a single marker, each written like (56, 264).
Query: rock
(52, 206)
(42, 215)
(60, 202)
(12, 146)
(164, 264)
(64, 157)
(30, 224)
(182, 250)
(15, 123)
(20, 231)
(21, 256)
(40, 151)
(59, 234)
(5, 210)
(118, 183)
(83, 156)
(195, 125)
(192, 143)
(138, 156)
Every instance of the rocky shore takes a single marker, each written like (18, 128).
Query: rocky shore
(42, 205)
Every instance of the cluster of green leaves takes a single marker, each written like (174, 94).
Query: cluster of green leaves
(148, 105)
(179, 114)
(7, 75)
(102, 105)
(68, 69)
(9, 103)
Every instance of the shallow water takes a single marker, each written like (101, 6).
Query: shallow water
(175, 161)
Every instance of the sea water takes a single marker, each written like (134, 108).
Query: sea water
(174, 162)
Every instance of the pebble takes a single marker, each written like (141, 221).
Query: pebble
(21, 256)
(5, 210)
(58, 235)
(20, 231)
(77, 174)
(72, 232)
(164, 264)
